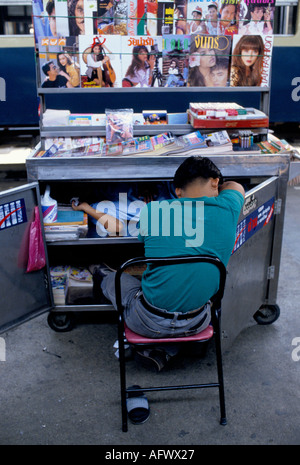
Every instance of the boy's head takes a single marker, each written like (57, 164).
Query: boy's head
(219, 72)
(196, 168)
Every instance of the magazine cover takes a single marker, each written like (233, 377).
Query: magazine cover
(257, 17)
(180, 17)
(112, 17)
(151, 24)
(229, 15)
(121, 13)
(60, 17)
(119, 125)
(141, 61)
(76, 16)
(251, 60)
(132, 18)
(59, 62)
(176, 60)
(90, 17)
(41, 19)
(165, 17)
(105, 16)
(100, 61)
(202, 17)
(141, 26)
(209, 61)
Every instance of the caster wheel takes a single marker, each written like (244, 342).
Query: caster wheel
(61, 322)
(267, 314)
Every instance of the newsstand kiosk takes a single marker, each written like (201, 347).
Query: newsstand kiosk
(253, 269)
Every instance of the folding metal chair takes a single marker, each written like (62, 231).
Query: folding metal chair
(208, 333)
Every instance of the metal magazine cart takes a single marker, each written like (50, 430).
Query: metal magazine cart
(253, 268)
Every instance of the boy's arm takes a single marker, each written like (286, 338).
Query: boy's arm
(111, 224)
(235, 186)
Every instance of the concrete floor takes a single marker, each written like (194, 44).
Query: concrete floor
(63, 388)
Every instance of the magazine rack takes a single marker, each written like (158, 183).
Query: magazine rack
(68, 177)
(79, 131)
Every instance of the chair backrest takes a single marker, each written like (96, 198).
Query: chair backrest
(86, 52)
(162, 261)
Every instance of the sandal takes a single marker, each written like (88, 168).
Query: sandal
(154, 360)
(137, 406)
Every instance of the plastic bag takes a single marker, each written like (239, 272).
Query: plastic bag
(36, 255)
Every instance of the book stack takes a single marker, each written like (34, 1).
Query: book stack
(70, 284)
(59, 282)
(80, 285)
(70, 225)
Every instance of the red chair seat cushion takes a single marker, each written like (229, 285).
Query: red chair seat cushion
(134, 338)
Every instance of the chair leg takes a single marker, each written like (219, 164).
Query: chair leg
(217, 325)
(122, 376)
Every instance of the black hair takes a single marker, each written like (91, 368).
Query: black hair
(50, 7)
(46, 67)
(193, 168)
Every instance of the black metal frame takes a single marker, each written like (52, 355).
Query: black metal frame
(215, 314)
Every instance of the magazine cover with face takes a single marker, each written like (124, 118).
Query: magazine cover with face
(141, 61)
(229, 13)
(59, 62)
(43, 19)
(100, 61)
(251, 60)
(209, 61)
(175, 60)
(202, 17)
(257, 17)
(180, 17)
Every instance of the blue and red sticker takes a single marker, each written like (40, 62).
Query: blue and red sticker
(12, 213)
(253, 223)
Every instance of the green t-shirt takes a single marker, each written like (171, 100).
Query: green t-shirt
(202, 226)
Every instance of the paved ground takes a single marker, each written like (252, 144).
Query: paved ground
(63, 388)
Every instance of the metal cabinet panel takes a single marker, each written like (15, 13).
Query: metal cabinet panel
(252, 265)
(22, 295)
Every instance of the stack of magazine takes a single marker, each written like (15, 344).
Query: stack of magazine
(70, 225)
(163, 144)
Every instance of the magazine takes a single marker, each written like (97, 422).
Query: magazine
(191, 140)
(141, 27)
(217, 139)
(202, 17)
(180, 17)
(132, 18)
(112, 17)
(90, 17)
(257, 17)
(41, 20)
(119, 125)
(209, 60)
(229, 13)
(59, 62)
(100, 61)
(248, 69)
(141, 61)
(155, 116)
(60, 18)
(175, 60)
(165, 17)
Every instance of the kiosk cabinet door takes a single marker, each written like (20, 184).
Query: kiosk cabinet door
(253, 267)
(22, 294)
